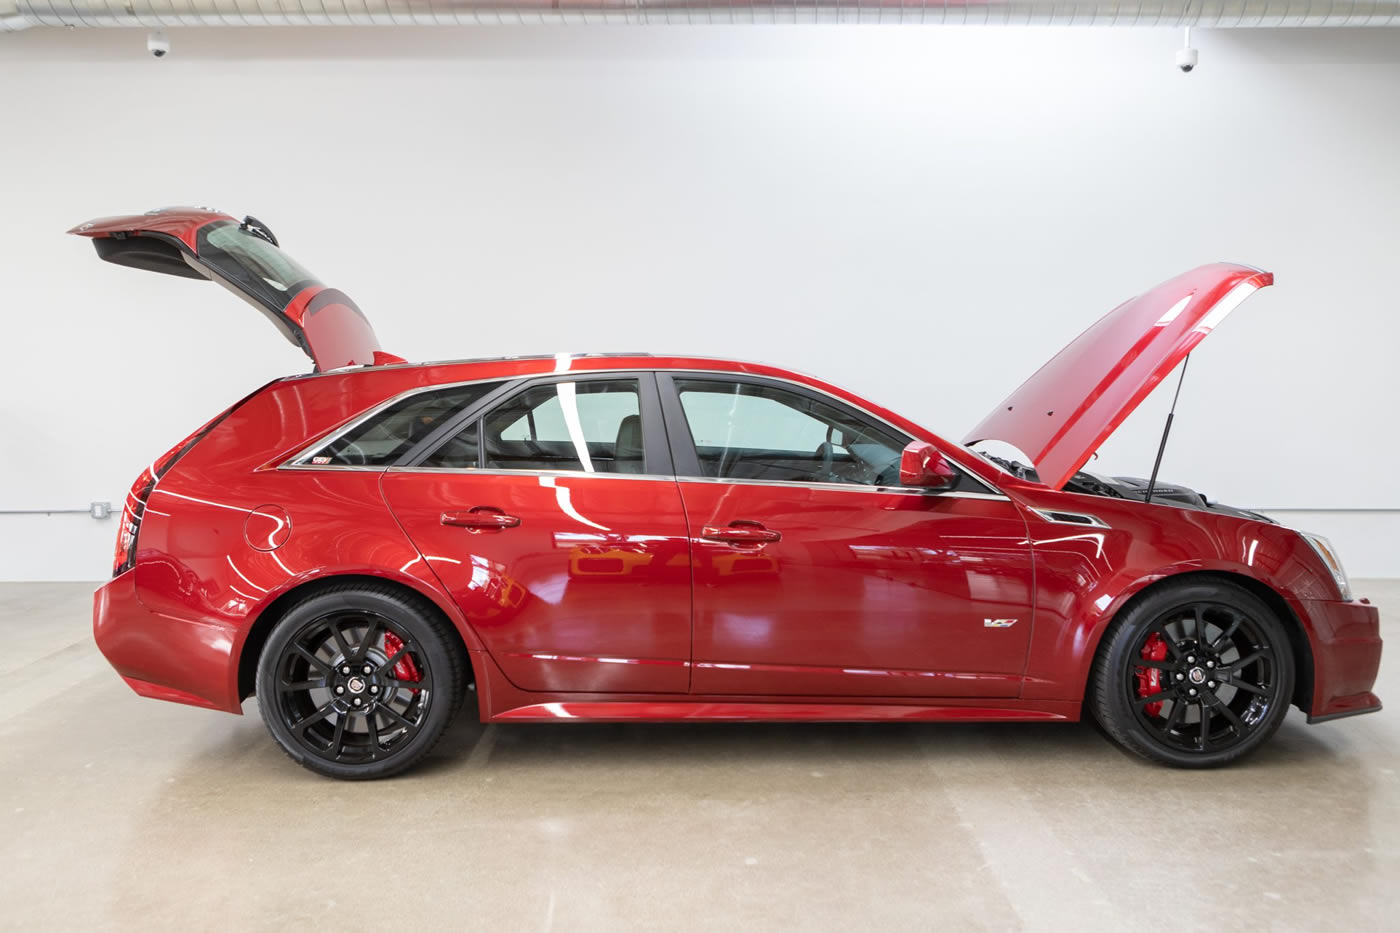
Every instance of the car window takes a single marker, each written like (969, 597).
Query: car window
(462, 451)
(592, 426)
(752, 431)
(389, 433)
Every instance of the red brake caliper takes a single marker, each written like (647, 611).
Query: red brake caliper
(407, 670)
(1149, 678)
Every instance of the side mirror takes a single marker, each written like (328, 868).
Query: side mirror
(922, 465)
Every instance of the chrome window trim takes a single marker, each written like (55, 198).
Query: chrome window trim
(295, 461)
(580, 474)
(1049, 515)
(844, 487)
(346, 468)
(564, 474)
(993, 492)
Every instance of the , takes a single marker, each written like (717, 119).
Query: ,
(634, 537)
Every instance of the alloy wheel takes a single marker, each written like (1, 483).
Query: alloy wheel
(1202, 678)
(352, 687)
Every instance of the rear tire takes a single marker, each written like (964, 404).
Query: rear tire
(1196, 674)
(360, 680)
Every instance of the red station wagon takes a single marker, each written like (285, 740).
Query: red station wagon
(625, 537)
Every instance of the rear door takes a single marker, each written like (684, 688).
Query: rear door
(553, 518)
(245, 258)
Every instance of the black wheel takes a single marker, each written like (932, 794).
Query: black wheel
(359, 681)
(1196, 674)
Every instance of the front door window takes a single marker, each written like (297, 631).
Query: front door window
(754, 431)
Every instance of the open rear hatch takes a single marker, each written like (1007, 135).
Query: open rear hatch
(200, 243)
(1060, 415)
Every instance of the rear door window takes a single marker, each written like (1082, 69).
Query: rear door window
(586, 426)
(592, 426)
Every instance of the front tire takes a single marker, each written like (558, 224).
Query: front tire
(359, 681)
(1196, 674)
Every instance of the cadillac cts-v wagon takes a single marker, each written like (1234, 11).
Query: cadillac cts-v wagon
(632, 537)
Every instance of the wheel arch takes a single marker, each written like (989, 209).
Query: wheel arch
(270, 614)
(1297, 636)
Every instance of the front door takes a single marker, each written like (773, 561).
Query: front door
(555, 522)
(816, 575)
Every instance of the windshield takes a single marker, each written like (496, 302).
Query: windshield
(252, 263)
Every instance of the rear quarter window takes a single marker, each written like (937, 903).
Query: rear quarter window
(392, 431)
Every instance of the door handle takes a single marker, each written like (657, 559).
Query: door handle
(483, 517)
(741, 532)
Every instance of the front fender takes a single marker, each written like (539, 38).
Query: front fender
(1085, 575)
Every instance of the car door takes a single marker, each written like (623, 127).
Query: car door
(552, 516)
(816, 574)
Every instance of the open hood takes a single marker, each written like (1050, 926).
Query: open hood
(1060, 415)
(200, 243)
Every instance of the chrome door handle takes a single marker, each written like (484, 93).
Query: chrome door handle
(741, 532)
(481, 518)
